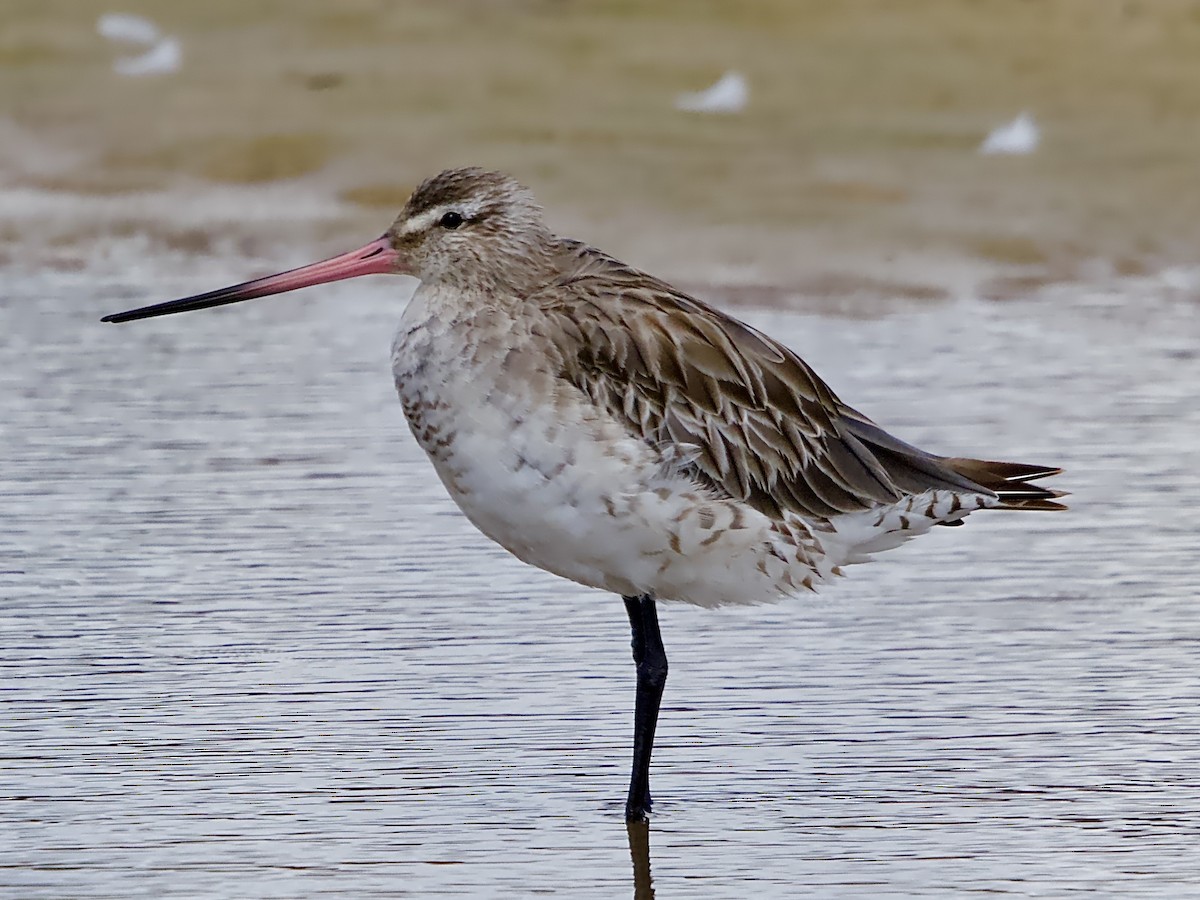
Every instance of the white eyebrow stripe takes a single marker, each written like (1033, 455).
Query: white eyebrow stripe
(426, 219)
(423, 221)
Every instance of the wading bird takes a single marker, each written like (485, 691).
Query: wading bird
(606, 427)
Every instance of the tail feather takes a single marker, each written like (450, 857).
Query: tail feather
(1011, 482)
(914, 470)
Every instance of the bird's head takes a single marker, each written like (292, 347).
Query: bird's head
(468, 229)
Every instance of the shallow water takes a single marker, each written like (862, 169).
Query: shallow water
(248, 648)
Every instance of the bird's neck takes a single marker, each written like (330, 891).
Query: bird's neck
(516, 270)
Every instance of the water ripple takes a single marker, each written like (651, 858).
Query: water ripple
(250, 649)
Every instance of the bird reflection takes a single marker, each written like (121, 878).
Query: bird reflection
(639, 851)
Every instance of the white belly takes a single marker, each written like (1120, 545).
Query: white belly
(533, 473)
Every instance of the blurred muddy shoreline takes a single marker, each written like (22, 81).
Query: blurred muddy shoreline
(852, 176)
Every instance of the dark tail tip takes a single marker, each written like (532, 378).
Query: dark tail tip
(1011, 482)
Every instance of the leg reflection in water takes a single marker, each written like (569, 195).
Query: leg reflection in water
(639, 851)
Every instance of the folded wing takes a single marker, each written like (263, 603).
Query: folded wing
(749, 416)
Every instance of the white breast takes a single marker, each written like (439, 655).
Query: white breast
(528, 460)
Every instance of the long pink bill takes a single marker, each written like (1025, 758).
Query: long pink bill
(376, 258)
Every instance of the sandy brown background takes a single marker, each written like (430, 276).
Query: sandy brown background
(297, 128)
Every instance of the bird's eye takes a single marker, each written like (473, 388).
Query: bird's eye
(451, 220)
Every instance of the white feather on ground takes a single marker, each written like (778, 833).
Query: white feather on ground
(729, 95)
(163, 56)
(1016, 138)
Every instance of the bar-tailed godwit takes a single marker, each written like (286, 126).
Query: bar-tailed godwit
(606, 427)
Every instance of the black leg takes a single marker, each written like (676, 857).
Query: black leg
(651, 661)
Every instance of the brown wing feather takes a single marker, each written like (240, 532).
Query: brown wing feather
(761, 426)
